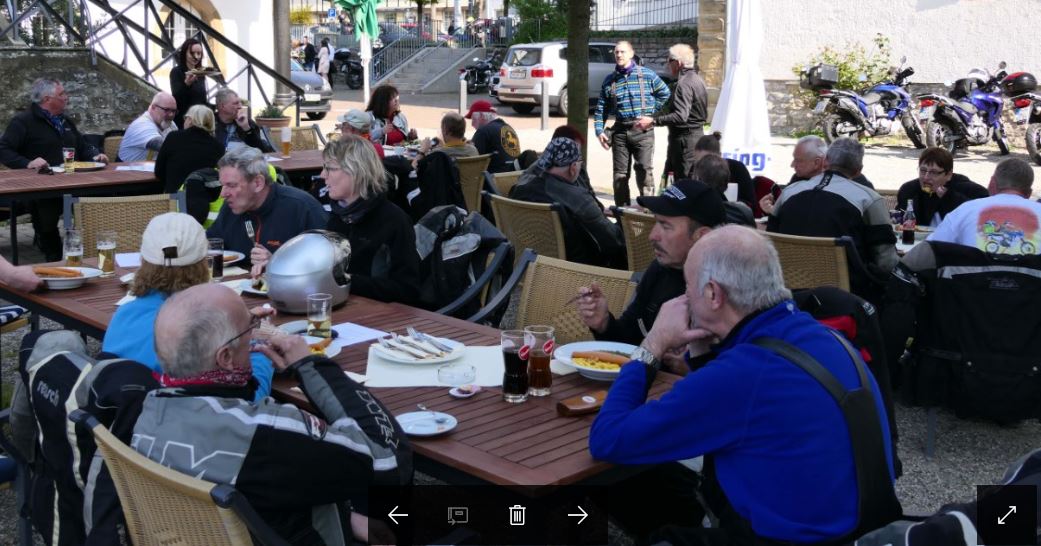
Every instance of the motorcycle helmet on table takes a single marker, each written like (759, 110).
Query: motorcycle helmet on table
(314, 261)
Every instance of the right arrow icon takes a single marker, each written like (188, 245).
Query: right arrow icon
(581, 516)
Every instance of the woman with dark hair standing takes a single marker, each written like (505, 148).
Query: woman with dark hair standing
(389, 125)
(187, 89)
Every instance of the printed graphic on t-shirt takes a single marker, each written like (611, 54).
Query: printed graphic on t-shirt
(1007, 230)
(510, 142)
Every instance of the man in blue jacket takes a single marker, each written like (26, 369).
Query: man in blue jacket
(779, 455)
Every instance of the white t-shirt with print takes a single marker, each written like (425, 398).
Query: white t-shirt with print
(999, 224)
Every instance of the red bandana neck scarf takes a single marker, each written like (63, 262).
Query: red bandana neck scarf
(238, 377)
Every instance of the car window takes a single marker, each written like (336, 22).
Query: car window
(519, 56)
(595, 56)
(608, 53)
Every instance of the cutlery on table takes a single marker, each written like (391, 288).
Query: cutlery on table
(439, 419)
(386, 345)
(401, 348)
(429, 339)
(416, 344)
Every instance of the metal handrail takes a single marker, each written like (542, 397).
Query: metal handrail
(90, 38)
(398, 53)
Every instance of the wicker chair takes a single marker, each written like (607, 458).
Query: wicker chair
(809, 262)
(163, 506)
(127, 216)
(111, 147)
(636, 229)
(471, 179)
(504, 182)
(890, 197)
(549, 283)
(530, 225)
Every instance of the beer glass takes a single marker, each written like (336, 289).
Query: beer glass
(69, 157)
(539, 342)
(216, 256)
(320, 315)
(287, 141)
(515, 376)
(107, 252)
(73, 248)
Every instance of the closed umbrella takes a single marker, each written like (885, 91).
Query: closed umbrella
(741, 113)
(366, 28)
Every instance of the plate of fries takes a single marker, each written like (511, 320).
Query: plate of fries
(65, 278)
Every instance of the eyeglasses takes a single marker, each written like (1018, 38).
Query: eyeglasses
(165, 109)
(923, 171)
(253, 324)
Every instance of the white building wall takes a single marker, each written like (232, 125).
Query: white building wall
(942, 39)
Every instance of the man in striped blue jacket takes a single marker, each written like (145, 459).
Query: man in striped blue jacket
(628, 93)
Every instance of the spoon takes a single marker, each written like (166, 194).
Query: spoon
(439, 419)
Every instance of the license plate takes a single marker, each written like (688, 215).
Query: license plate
(312, 97)
(518, 73)
(821, 105)
(1023, 114)
(926, 113)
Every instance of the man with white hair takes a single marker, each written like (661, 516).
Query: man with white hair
(807, 162)
(688, 108)
(234, 128)
(297, 469)
(494, 136)
(787, 415)
(147, 133)
(832, 204)
(34, 139)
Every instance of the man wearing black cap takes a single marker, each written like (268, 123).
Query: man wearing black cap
(683, 213)
(589, 237)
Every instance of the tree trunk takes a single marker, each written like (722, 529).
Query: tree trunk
(420, 4)
(578, 68)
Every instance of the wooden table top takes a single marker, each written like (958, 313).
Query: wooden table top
(495, 442)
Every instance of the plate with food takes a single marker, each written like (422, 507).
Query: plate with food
(65, 278)
(600, 360)
(230, 257)
(208, 71)
(408, 350)
(80, 167)
(257, 287)
(322, 346)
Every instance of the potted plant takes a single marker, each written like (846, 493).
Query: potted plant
(272, 116)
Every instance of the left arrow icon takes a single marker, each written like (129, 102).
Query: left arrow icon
(391, 514)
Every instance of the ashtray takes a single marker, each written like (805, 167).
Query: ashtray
(456, 374)
(464, 391)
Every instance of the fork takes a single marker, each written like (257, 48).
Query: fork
(415, 344)
(439, 419)
(412, 332)
(386, 345)
(403, 349)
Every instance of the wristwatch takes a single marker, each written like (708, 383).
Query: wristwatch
(647, 357)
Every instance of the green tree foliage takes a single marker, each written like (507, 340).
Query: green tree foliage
(301, 16)
(540, 20)
(853, 61)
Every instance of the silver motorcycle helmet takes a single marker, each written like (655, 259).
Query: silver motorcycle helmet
(312, 262)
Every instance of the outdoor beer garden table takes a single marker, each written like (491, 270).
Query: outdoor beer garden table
(524, 444)
(27, 184)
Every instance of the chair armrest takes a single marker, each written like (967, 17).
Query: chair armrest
(474, 289)
(227, 496)
(503, 296)
(856, 262)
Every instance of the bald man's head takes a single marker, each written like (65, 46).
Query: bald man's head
(162, 109)
(194, 324)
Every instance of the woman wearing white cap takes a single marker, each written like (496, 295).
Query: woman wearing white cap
(173, 258)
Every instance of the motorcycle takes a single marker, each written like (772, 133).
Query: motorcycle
(846, 113)
(1026, 108)
(350, 66)
(969, 116)
(478, 75)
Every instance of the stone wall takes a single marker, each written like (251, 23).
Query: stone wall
(101, 97)
(653, 51)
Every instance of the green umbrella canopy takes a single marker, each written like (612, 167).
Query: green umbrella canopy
(365, 21)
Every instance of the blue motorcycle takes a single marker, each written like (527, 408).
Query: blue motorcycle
(969, 116)
(848, 114)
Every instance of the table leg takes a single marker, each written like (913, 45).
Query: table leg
(14, 232)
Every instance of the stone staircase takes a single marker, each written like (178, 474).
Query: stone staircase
(427, 66)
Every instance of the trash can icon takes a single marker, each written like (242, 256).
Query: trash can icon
(517, 514)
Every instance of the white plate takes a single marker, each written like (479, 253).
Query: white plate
(424, 423)
(299, 328)
(237, 255)
(332, 350)
(246, 285)
(457, 351)
(563, 355)
(66, 283)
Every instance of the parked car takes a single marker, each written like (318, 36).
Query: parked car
(318, 96)
(527, 67)
(391, 31)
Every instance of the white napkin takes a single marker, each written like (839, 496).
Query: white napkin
(148, 167)
(128, 259)
(559, 368)
(234, 271)
(384, 373)
(235, 285)
(351, 333)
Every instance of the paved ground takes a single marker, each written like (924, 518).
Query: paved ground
(968, 452)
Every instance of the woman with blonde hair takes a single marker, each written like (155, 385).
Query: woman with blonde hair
(384, 264)
(173, 258)
(188, 150)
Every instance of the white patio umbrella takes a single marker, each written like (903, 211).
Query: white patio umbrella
(741, 113)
